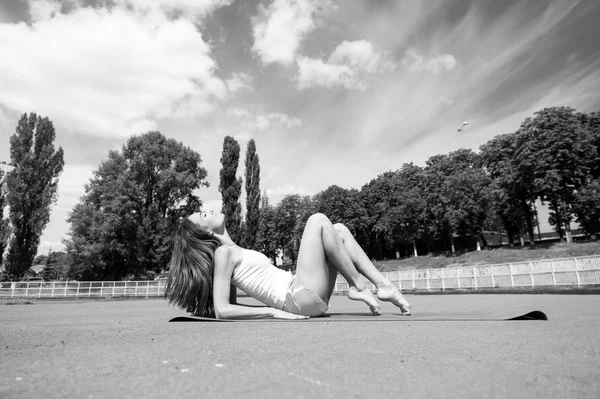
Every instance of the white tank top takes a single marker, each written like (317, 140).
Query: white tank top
(257, 277)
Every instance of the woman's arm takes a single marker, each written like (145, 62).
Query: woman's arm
(224, 309)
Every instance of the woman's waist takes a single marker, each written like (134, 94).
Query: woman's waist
(266, 287)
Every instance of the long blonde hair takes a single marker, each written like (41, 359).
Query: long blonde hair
(190, 281)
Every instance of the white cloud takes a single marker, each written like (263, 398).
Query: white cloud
(270, 173)
(46, 246)
(279, 29)
(238, 82)
(187, 8)
(71, 185)
(212, 205)
(436, 64)
(348, 66)
(285, 120)
(284, 190)
(111, 72)
(260, 122)
(361, 56)
(239, 112)
(43, 9)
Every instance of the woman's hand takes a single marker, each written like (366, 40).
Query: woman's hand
(280, 314)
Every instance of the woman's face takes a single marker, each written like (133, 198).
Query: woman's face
(209, 220)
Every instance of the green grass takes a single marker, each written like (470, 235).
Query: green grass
(493, 256)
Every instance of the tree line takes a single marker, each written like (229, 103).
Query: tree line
(121, 228)
(554, 156)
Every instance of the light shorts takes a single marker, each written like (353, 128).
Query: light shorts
(302, 301)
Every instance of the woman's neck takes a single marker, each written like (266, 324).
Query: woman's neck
(226, 240)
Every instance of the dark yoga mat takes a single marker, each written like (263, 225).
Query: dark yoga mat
(475, 315)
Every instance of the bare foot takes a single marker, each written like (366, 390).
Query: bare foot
(367, 297)
(389, 293)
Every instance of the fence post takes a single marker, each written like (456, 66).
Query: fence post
(427, 278)
(443, 283)
(52, 293)
(40, 290)
(89, 289)
(413, 280)
(577, 273)
(475, 277)
(492, 274)
(531, 273)
(512, 278)
(458, 277)
(553, 275)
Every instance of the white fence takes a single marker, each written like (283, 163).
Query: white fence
(575, 272)
(82, 289)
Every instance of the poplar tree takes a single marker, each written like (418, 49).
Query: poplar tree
(4, 222)
(266, 236)
(32, 188)
(285, 222)
(230, 187)
(252, 195)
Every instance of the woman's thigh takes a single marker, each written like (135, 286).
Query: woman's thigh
(312, 270)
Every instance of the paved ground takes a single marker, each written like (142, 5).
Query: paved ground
(127, 349)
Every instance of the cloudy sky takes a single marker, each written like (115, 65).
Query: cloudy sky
(332, 92)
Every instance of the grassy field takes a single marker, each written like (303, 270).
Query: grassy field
(493, 256)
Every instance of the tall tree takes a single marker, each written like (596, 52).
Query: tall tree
(286, 220)
(512, 196)
(32, 188)
(376, 197)
(252, 195)
(344, 206)
(555, 155)
(56, 266)
(5, 229)
(266, 236)
(230, 187)
(456, 194)
(591, 122)
(587, 207)
(437, 202)
(402, 218)
(123, 224)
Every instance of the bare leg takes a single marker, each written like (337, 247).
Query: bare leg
(386, 291)
(322, 254)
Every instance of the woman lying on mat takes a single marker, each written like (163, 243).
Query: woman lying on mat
(206, 267)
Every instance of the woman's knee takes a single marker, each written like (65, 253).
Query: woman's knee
(341, 229)
(318, 218)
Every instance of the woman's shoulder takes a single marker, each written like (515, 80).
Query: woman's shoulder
(225, 254)
(222, 254)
